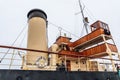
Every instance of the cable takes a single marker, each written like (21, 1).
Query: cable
(88, 10)
(12, 44)
(89, 15)
(62, 29)
(82, 31)
(84, 21)
(19, 54)
(11, 62)
(22, 39)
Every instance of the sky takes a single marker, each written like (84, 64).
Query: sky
(61, 13)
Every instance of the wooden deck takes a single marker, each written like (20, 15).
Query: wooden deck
(95, 52)
(90, 39)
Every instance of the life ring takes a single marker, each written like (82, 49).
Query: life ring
(41, 62)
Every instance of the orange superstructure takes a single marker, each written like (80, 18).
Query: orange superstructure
(62, 39)
(96, 44)
(88, 37)
(91, 45)
(94, 52)
(99, 51)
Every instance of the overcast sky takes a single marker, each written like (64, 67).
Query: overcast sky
(60, 12)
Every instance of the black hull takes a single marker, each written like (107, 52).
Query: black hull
(56, 75)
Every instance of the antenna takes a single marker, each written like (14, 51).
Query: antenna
(85, 20)
(60, 29)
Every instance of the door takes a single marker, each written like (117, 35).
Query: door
(68, 65)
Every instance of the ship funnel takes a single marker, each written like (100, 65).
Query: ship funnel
(37, 36)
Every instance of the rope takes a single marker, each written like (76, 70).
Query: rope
(12, 44)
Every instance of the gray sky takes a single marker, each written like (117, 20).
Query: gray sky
(60, 12)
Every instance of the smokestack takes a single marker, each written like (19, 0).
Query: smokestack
(37, 35)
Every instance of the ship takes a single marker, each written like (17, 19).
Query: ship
(65, 59)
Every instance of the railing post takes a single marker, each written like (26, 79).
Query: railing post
(12, 59)
(78, 63)
(65, 63)
(109, 53)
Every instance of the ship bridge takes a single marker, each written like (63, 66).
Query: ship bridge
(93, 44)
(96, 44)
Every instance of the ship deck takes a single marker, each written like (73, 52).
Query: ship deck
(90, 39)
(93, 52)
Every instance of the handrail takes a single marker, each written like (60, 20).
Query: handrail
(11, 47)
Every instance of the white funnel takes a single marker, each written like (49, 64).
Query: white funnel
(37, 35)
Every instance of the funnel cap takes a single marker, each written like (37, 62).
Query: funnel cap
(36, 13)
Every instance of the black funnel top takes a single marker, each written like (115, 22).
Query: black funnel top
(37, 13)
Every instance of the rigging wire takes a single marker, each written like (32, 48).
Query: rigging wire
(19, 54)
(18, 51)
(62, 29)
(13, 43)
(20, 45)
(84, 21)
(89, 15)
(14, 54)
(82, 31)
(11, 61)
(22, 39)
(88, 11)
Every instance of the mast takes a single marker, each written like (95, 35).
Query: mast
(84, 20)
